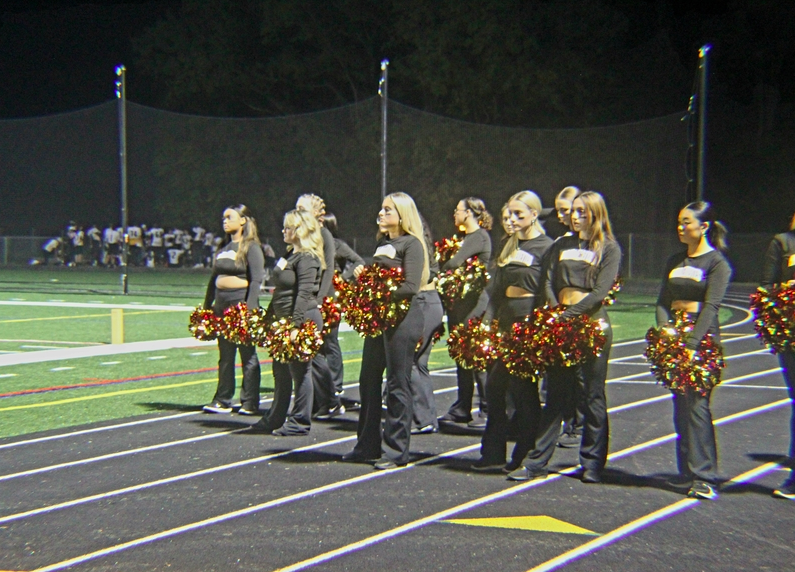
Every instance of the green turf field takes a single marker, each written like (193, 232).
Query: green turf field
(125, 385)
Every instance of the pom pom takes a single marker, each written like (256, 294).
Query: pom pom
(369, 307)
(566, 342)
(234, 324)
(610, 299)
(447, 248)
(283, 348)
(435, 337)
(671, 363)
(204, 325)
(455, 284)
(474, 345)
(774, 317)
(520, 351)
(331, 310)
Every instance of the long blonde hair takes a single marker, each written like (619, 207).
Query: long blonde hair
(532, 202)
(410, 223)
(599, 227)
(307, 234)
(250, 234)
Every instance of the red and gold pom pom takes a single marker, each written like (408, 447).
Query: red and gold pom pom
(204, 325)
(671, 363)
(470, 277)
(520, 351)
(368, 304)
(474, 345)
(610, 299)
(435, 337)
(447, 248)
(235, 324)
(774, 317)
(567, 342)
(284, 348)
(331, 310)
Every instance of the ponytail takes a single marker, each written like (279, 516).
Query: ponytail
(717, 231)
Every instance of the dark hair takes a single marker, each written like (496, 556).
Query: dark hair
(330, 222)
(250, 234)
(478, 208)
(716, 231)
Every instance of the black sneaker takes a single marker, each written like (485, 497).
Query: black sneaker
(680, 481)
(425, 430)
(702, 490)
(217, 407)
(786, 491)
(247, 410)
(525, 474)
(330, 414)
(486, 466)
(569, 440)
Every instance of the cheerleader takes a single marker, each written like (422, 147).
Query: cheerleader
(574, 411)
(581, 270)
(430, 305)
(513, 294)
(400, 245)
(470, 215)
(695, 281)
(327, 403)
(779, 270)
(297, 282)
(344, 257)
(238, 271)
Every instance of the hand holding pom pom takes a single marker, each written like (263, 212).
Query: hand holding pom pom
(285, 342)
(447, 248)
(368, 302)
(681, 369)
(455, 284)
(774, 317)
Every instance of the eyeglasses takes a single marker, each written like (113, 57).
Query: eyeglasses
(460, 211)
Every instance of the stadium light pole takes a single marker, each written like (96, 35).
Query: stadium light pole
(702, 121)
(121, 96)
(382, 91)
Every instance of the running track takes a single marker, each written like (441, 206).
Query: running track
(188, 492)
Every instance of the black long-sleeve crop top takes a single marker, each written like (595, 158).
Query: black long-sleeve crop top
(253, 271)
(572, 264)
(779, 264)
(344, 254)
(523, 270)
(329, 253)
(476, 243)
(297, 283)
(701, 279)
(405, 252)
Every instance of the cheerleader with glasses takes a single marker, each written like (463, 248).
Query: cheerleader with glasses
(238, 271)
(580, 272)
(297, 283)
(470, 215)
(400, 245)
(695, 281)
(779, 270)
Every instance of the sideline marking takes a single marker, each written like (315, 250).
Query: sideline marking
(641, 523)
(408, 527)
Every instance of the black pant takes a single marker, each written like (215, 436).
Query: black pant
(468, 379)
(333, 353)
(288, 377)
(392, 351)
(561, 384)
(696, 451)
(249, 394)
(787, 361)
(430, 305)
(326, 397)
(500, 386)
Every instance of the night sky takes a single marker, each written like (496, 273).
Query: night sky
(60, 56)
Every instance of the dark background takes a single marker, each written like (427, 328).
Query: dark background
(563, 64)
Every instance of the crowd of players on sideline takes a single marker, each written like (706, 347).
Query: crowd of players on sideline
(148, 247)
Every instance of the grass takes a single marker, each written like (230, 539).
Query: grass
(141, 383)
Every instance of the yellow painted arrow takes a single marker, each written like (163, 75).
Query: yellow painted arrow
(538, 523)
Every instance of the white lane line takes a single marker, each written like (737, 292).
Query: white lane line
(63, 368)
(156, 357)
(60, 342)
(2, 375)
(116, 455)
(641, 523)
(30, 347)
(248, 510)
(387, 534)
(129, 306)
(447, 513)
(110, 363)
(94, 430)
